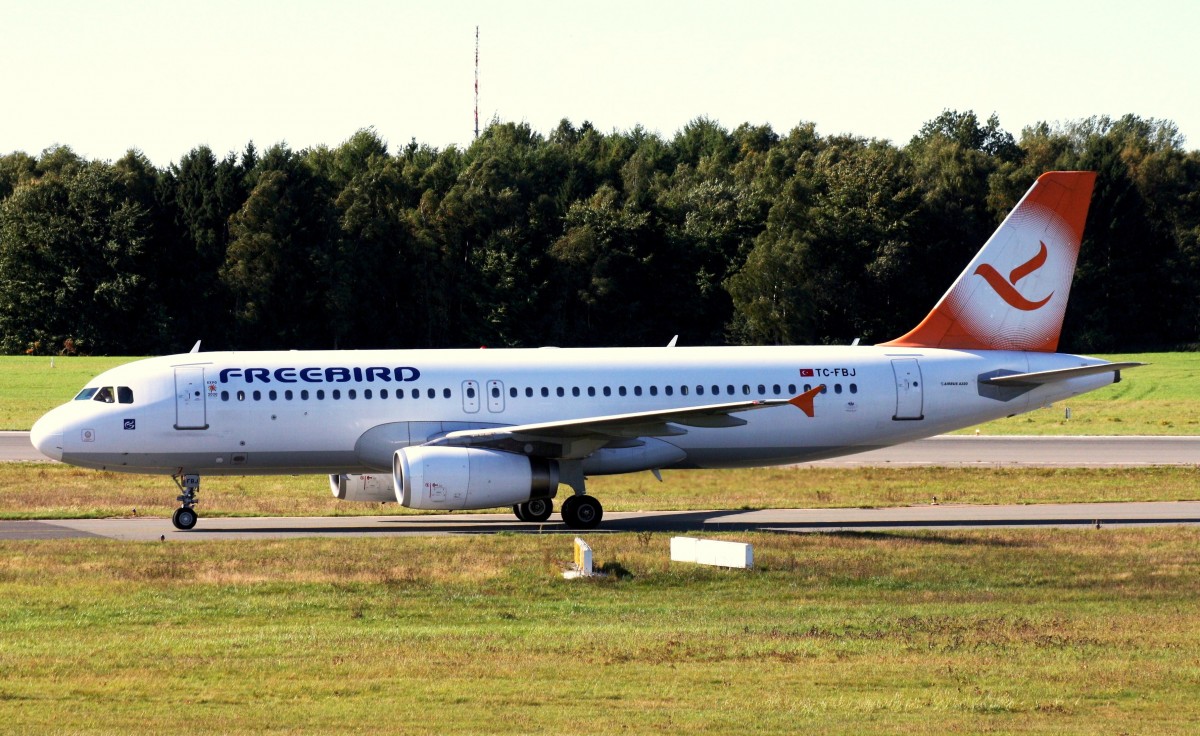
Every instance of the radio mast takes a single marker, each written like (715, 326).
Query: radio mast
(476, 81)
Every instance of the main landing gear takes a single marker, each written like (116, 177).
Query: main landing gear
(185, 516)
(578, 512)
(537, 510)
(582, 512)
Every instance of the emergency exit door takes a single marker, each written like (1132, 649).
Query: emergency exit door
(910, 397)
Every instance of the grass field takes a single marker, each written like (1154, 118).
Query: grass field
(1007, 631)
(1160, 398)
(46, 491)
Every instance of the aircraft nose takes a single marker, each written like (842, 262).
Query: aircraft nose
(47, 437)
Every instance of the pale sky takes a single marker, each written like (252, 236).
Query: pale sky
(165, 77)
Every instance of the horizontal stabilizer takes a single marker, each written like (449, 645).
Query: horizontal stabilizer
(1040, 377)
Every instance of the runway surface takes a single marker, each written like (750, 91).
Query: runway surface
(956, 450)
(778, 520)
(15, 446)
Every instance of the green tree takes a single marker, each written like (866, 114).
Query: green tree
(74, 265)
(278, 266)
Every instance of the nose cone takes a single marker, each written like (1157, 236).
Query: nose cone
(47, 436)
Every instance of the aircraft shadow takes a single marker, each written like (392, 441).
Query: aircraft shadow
(704, 521)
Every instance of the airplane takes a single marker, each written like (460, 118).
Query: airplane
(477, 429)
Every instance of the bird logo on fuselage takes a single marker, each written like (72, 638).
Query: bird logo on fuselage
(1007, 288)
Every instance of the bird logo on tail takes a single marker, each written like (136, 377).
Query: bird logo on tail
(1007, 289)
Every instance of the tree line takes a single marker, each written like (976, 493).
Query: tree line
(581, 237)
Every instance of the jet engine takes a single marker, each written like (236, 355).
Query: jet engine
(375, 488)
(469, 478)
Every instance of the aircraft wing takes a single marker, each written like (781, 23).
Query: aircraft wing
(579, 437)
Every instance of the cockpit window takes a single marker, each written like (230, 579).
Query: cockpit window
(86, 394)
(105, 394)
(124, 394)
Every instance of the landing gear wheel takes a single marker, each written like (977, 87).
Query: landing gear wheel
(189, 487)
(582, 512)
(184, 518)
(519, 510)
(538, 509)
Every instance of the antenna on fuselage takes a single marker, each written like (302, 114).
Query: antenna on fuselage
(673, 341)
(195, 348)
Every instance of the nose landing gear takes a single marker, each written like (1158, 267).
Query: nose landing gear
(185, 516)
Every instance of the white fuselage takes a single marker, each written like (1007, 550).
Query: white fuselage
(348, 411)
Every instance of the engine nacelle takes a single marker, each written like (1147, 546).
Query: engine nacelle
(469, 478)
(375, 488)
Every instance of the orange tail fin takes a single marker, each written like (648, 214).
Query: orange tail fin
(1013, 295)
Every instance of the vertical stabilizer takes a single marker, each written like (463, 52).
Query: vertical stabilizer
(1013, 294)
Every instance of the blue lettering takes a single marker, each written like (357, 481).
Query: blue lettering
(343, 375)
(383, 374)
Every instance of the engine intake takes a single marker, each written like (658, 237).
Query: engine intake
(469, 478)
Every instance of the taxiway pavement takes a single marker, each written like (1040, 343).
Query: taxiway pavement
(778, 520)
